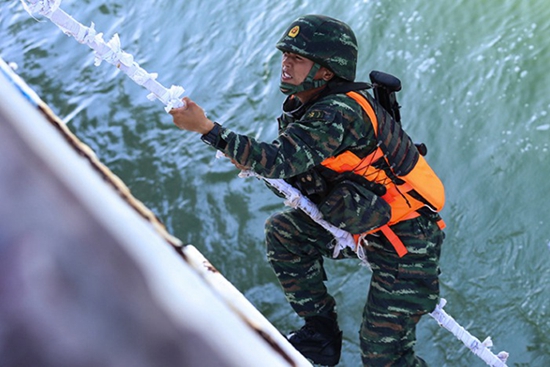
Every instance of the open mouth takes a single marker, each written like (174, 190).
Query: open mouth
(285, 76)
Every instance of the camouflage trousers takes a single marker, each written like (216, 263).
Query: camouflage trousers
(401, 289)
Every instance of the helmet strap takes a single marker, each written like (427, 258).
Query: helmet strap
(307, 84)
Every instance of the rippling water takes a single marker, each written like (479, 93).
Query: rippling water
(476, 90)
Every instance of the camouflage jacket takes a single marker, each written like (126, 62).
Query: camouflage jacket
(308, 134)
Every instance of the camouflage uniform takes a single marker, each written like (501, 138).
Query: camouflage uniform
(401, 289)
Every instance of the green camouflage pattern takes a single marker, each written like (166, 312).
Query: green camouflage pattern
(400, 292)
(327, 41)
(355, 209)
(328, 127)
(401, 289)
(295, 248)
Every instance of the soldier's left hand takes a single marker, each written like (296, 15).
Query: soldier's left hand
(191, 117)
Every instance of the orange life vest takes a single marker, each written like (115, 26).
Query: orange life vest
(416, 187)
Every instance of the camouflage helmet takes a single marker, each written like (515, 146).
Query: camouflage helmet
(324, 40)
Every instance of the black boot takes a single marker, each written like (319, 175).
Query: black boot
(319, 340)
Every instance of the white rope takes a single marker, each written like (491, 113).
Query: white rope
(296, 200)
(44, 7)
(110, 52)
(480, 349)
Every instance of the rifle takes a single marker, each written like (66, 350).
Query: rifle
(385, 87)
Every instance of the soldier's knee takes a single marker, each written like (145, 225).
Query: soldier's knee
(284, 224)
(276, 232)
(271, 223)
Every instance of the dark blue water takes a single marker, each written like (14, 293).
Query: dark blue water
(476, 90)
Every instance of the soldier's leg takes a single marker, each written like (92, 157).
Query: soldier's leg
(401, 291)
(295, 248)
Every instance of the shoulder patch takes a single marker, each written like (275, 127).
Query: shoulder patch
(315, 115)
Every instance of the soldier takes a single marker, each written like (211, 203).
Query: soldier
(339, 147)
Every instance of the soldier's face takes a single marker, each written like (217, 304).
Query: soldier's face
(295, 68)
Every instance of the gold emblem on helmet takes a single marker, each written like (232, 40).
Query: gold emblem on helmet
(294, 31)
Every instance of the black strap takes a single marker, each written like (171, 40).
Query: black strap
(339, 87)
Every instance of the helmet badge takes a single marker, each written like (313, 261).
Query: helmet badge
(294, 31)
